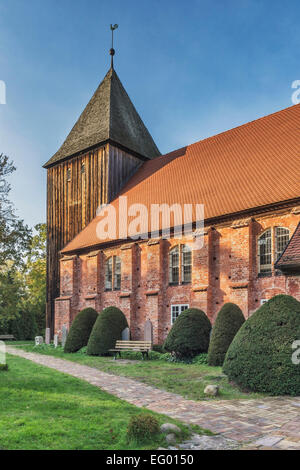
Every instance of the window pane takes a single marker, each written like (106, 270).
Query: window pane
(108, 274)
(186, 264)
(174, 266)
(176, 310)
(265, 252)
(282, 239)
(117, 279)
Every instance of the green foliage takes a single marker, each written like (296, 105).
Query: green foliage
(22, 326)
(14, 235)
(200, 359)
(189, 335)
(106, 331)
(260, 356)
(158, 348)
(34, 277)
(142, 428)
(3, 367)
(229, 320)
(23, 290)
(80, 330)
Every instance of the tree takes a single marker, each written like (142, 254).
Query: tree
(15, 242)
(34, 277)
(14, 235)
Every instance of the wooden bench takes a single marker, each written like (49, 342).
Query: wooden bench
(7, 338)
(142, 346)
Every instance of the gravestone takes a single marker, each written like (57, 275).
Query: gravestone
(148, 331)
(47, 336)
(64, 335)
(126, 334)
(55, 341)
(2, 353)
(38, 340)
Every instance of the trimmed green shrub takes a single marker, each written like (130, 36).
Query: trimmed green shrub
(229, 320)
(142, 427)
(106, 331)
(260, 356)
(80, 330)
(189, 335)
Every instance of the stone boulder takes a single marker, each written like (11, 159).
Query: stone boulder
(211, 390)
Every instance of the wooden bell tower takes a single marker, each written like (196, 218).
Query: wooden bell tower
(103, 150)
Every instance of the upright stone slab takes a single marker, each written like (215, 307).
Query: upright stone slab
(55, 341)
(64, 335)
(2, 353)
(126, 334)
(148, 331)
(47, 336)
(38, 340)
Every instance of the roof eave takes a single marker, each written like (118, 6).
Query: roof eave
(102, 143)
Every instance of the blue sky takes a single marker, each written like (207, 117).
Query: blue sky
(192, 68)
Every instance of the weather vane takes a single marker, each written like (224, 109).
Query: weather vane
(112, 51)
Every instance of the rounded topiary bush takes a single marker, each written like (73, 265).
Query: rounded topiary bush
(143, 427)
(106, 331)
(189, 335)
(229, 320)
(260, 356)
(80, 330)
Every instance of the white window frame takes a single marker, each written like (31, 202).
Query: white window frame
(109, 271)
(263, 268)
(181, 307)
(186, 249)
(277, 238)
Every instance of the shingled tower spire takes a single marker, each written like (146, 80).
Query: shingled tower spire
(106, 146)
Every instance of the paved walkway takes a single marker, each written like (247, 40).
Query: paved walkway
(262, 424)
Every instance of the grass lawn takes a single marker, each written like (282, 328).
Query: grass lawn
(41, 408)
(188, 380)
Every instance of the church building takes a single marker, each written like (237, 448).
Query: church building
(247, 179)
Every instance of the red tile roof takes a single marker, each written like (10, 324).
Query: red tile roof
(290, 258)
(253, 165)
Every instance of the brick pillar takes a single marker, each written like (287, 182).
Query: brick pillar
(90, 280)
(154, 280)
(213, 271)
(66, 303)
(128, 285)
(200, 275)
(241, 254)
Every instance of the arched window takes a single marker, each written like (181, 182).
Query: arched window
(113, 273)
(108, 273)
(265, 252)
(117, 273)
(282, 236)
(186, 264)
(174, 265)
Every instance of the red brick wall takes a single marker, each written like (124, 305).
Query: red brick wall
(225, 269)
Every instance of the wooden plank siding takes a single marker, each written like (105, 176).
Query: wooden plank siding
(71, 205)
